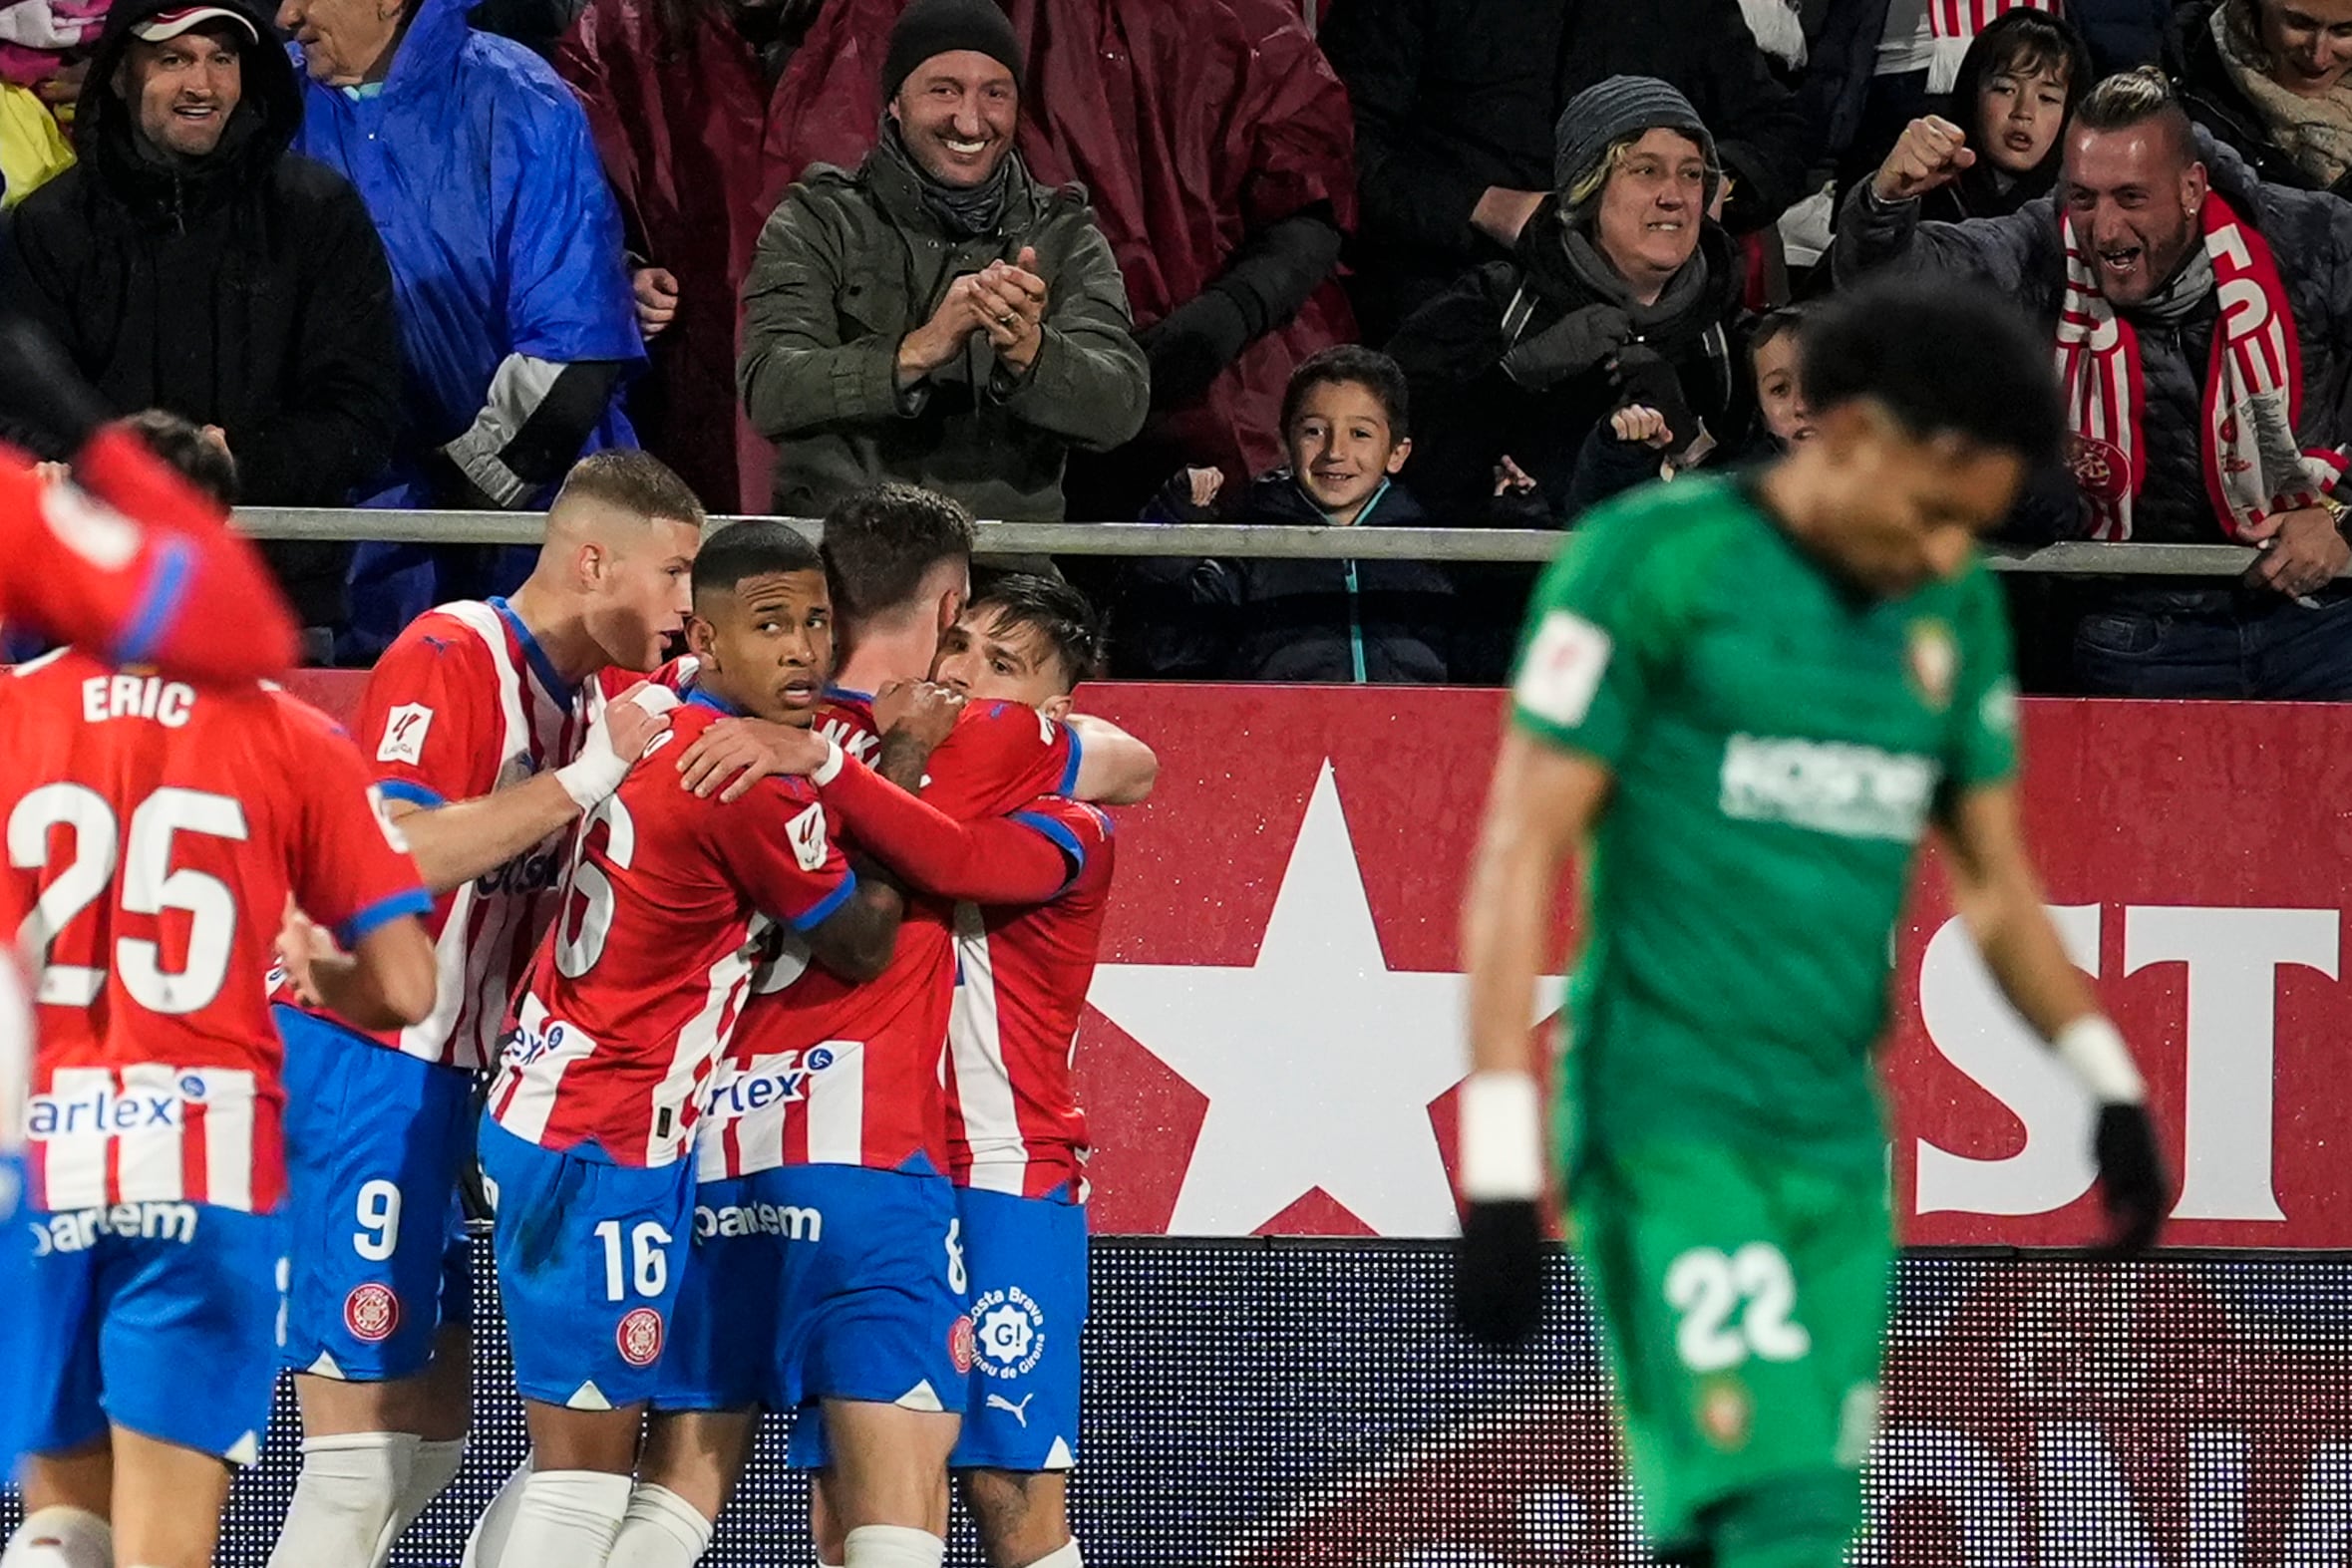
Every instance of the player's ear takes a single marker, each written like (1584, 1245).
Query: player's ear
(1056, 708)
(701, 639)
(590, 565)
(1397, 456)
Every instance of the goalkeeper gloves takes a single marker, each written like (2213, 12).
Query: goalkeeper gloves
(2131, 1168)
(1498, 1265)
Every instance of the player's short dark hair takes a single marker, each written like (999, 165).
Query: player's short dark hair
(1943, 356)
(637, 482)
(1352, 364)
(2137, 97)
(187, 450)
(754, 547)
(1053, 609)
(881, 541)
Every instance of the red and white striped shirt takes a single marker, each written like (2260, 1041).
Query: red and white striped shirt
(1014, 1125)
(155, 832)
(463, 702)
(638, 988)
(825, 1073)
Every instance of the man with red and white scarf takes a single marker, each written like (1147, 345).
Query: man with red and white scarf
(2200, 320)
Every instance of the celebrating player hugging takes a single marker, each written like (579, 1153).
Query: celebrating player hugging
(827, 1222)
(764, 1131)
(492, 731)
(1753, 698)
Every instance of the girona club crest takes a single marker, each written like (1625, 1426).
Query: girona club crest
(963, 1346)
(372, 1312)
(639, 1336)
(2099, 468)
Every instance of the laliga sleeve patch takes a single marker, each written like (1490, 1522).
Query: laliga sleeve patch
(807, 832)
(1562, 670)
(405, 729)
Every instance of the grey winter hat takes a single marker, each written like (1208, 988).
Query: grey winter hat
(1607, 112)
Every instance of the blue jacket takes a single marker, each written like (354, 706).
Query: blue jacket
(527, 261)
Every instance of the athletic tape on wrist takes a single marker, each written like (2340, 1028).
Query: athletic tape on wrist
(599, 768)
(2094, 1048)
(831, 769)
(1502, 1138)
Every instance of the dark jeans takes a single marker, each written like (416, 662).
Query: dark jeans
(2263, 648)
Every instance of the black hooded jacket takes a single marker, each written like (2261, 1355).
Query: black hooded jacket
(247, 290)
(1382, 622)
(1453, 96)
(1469, 413)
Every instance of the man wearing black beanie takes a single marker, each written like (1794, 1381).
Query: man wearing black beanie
(938, 317)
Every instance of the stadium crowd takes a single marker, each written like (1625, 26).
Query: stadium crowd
(1455, 262)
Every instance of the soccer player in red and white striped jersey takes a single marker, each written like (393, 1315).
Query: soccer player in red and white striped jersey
(632, 998)
(491, 727)
(1034, 890)
(162, 839)
(830, 1103)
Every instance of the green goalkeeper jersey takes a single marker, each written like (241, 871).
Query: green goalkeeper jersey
(1780, 741)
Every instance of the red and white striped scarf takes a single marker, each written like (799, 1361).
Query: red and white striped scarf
(1953, 25)
(2253, 390)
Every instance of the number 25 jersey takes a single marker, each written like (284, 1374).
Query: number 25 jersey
(153, 833)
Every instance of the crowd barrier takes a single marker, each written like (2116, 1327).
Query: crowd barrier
(1269, 1062)
(1507, 545)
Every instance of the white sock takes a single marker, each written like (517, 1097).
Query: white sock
(348, 1489)
(567, 1519)
(891, 1546)
(61, 1538)
(432, 1467)
(1065, 1556)
(661, 1530)
(486, 1544)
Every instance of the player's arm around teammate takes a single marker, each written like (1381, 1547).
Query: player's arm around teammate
(490, 737)
(457, 843)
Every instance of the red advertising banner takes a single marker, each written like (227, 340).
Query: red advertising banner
(1274, 1034)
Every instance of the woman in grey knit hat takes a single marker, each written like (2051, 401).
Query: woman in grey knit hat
(1623, 293)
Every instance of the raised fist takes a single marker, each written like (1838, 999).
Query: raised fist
(1931, 153)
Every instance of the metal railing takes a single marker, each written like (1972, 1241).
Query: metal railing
(1509, 545)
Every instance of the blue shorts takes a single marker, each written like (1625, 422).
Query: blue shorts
(376, 1231)
(590, 1256)
(725, 1349)
(1027, 1258)
(160, 1318)
(874, 1311)
(16, 1336)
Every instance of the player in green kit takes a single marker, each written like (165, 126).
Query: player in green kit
(1749, 699)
